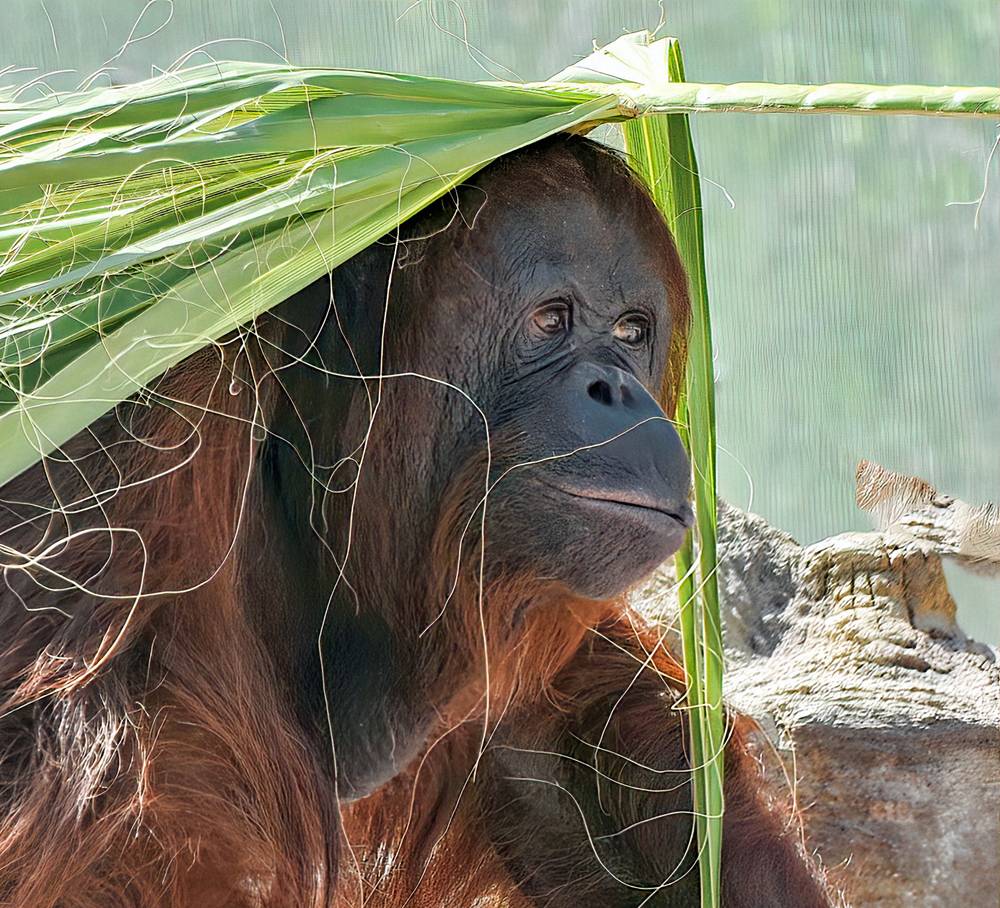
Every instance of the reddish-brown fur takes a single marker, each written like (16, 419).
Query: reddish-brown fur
(148, 752)
(180, 780)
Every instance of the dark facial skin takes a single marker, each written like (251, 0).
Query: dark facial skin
(591, 488)
(552, 312)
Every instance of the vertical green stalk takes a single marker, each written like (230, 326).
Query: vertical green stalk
(662, 152)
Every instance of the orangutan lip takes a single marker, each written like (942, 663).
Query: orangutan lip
(633, 501)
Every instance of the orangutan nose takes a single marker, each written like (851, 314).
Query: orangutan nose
(636, 445)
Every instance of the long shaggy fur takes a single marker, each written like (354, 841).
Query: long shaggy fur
(152, 754)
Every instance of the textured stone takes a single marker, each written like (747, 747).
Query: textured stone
(886, 717)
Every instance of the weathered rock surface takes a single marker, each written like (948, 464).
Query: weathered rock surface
(885, 715)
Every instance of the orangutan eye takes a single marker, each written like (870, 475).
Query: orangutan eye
(552, 319)
(632, 330)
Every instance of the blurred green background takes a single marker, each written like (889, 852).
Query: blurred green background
(856, 302)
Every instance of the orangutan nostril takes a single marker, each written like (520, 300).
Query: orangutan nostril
(600, 391)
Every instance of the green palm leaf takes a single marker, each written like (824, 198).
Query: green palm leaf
(662, 152)
(142, 222)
